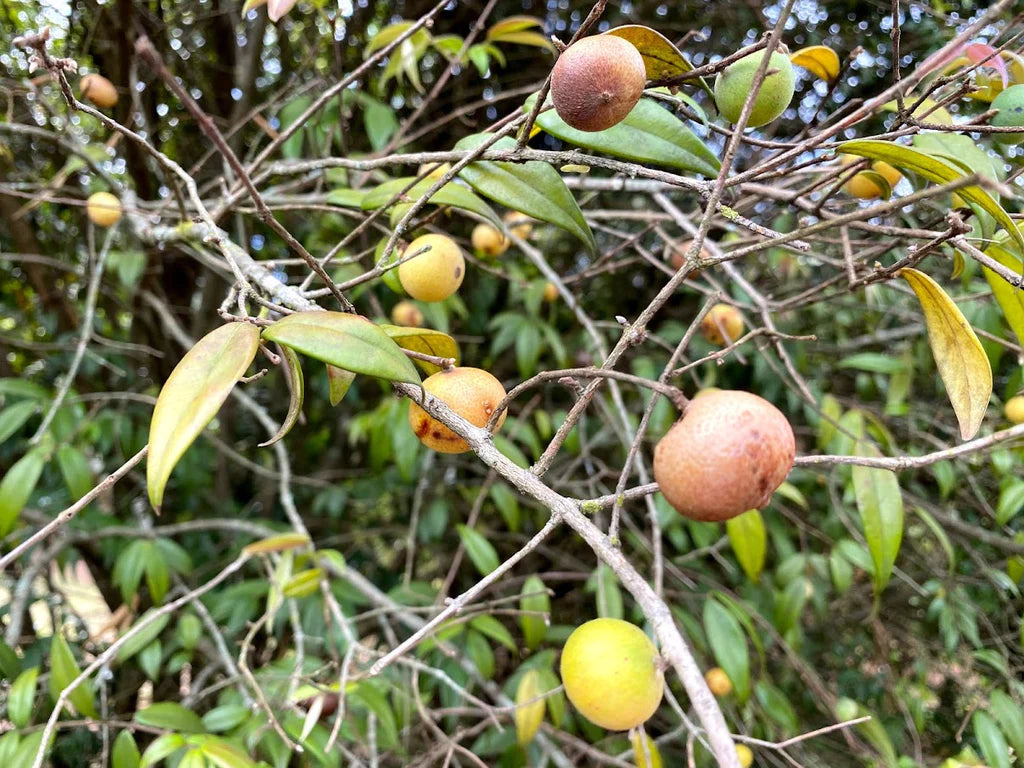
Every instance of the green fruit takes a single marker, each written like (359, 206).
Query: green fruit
(733, 86)
(1010, 104)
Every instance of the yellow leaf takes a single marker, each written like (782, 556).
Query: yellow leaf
(820, 60)
(661, 57)
(640, 756)
(280, 543)
(529, 707)
(962, 363)
(928, 110)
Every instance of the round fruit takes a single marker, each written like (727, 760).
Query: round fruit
(746, 756)
(727, 455)
(103, 209)
(408, 314)
(597, 81)
(436, 173)
(722, 325)
(1014, 409)
(863, 186)
(470, 392)
(892, 175)
(611, 673)
(641, 755)
(435, 274)
(488, 240)
(678, 257)
(519, 224)
(550, 292)
(718, 681)
(1010, 104)
(98, 90)
(733, 85)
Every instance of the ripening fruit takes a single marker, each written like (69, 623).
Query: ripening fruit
(718, 681)
(722, 325)
(745, 754)
(470, 392)
(437, 173)
(863, 186)
(435, 274)
(596, 81)
(406, 313)
(103, 209)
(1010, 104)
(640, 755)
(519, 224)
(550, 292)
(1014, 409)
(727, 455)
(488, 240)
(612, 673)
(98, 90)
(733, 85)
(678, 257)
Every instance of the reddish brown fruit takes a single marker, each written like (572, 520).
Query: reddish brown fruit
(727, 455)
(597, 81)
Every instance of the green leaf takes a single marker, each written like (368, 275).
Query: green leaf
(479, 652)
(480, 551)
(304, 583)
(881, 512)
(451, 194)
(727, 642)
(609, 596)
(146, 636)
(648, 134)
(164, 746)
(63, 670)
(23, 388)
(1009, 298)
(170, 716)
(749, 542)
(993, 745)
(10, 666)
(296, 393)
(21, 697)
(507, 502)
(158, 576)
(225, 755)
(532, 188)
(959, 356)
(1011, 501)
(226, 717)
(529, 712)
(75, 469)
(338, 382)
(17, 486)
(14, 417)
(777, 707)
(281, 543)
(129, 567)
(193, 758)
(425, 341)
(535, 604)
(125, 753)
(934, 169)
(192, 395)
(512, 24)
(344, 341)
(28, 748)
(150, 658)
(1010, 717)
(346, 198)
(940, 535)
(494, 629)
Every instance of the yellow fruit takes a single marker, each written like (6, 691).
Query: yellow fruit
(1014, 409)
(722, 325)
(519, 224)
(437, 173)
(103, 209)
(406, 313)
(640, 755)
(470, 392)
(612, 673)
(435, 274)
(892, 175)
(728, 454)
(488, 240)
(863, 186)
(550, 292)
(1010, 104)
(597, 81)
(733, 86)
(746, 756)
(98, 90)
(718, 681)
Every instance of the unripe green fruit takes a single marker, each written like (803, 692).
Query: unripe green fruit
(612, 674)
(597, 81)
(1010, 104)
(435, 274)
(733, 86)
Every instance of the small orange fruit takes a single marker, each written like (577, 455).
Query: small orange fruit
(718, 681)
(406, 313)
(550, 292)
(471, 392)
(98, 90)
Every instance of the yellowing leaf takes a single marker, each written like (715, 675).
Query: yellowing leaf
(662, 59)
(280, 543)
(749, 542)
(962, 363)
(927, 110)
(1010, 299)
(645, 751)
(296, 388)
(338, 382)
(192, 395)
(820, 60)
(426, 341)
(529, 707)
(512, 24)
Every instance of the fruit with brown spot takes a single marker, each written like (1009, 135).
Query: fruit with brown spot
(98, 90)
(433, 275)
(727, 455)
(471, 392)
(597, 81)
(408, 314)
(488, 241)
(722, 325)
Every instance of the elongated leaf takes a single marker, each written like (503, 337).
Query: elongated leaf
(13, 418)
(223, 754)
(993, 745)
(934, 169)
(648, 134)
(17, 486)
(225, 717)
(137, 642)
(609, 596)
(425, 341)
(281, 543)
(344, 341)
(170, 716)
(645, 751)
(529, 707)
(1010, 717)
(22, 696)
(192, 395)
(125, 753)
(1009, 298)
(536, 39)
(749, 541)
(928, 110)
(75, 469)
(164, 745)
(512, 24)
(296, 393)
(881, 512)
(480, 551)
(535, 604)
(451, 194)
(661, 57)
(1011, 501)
(727, 642)
(533, 188)
(494, 629)
(820, 60)
(959, 356)
(63, 670)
